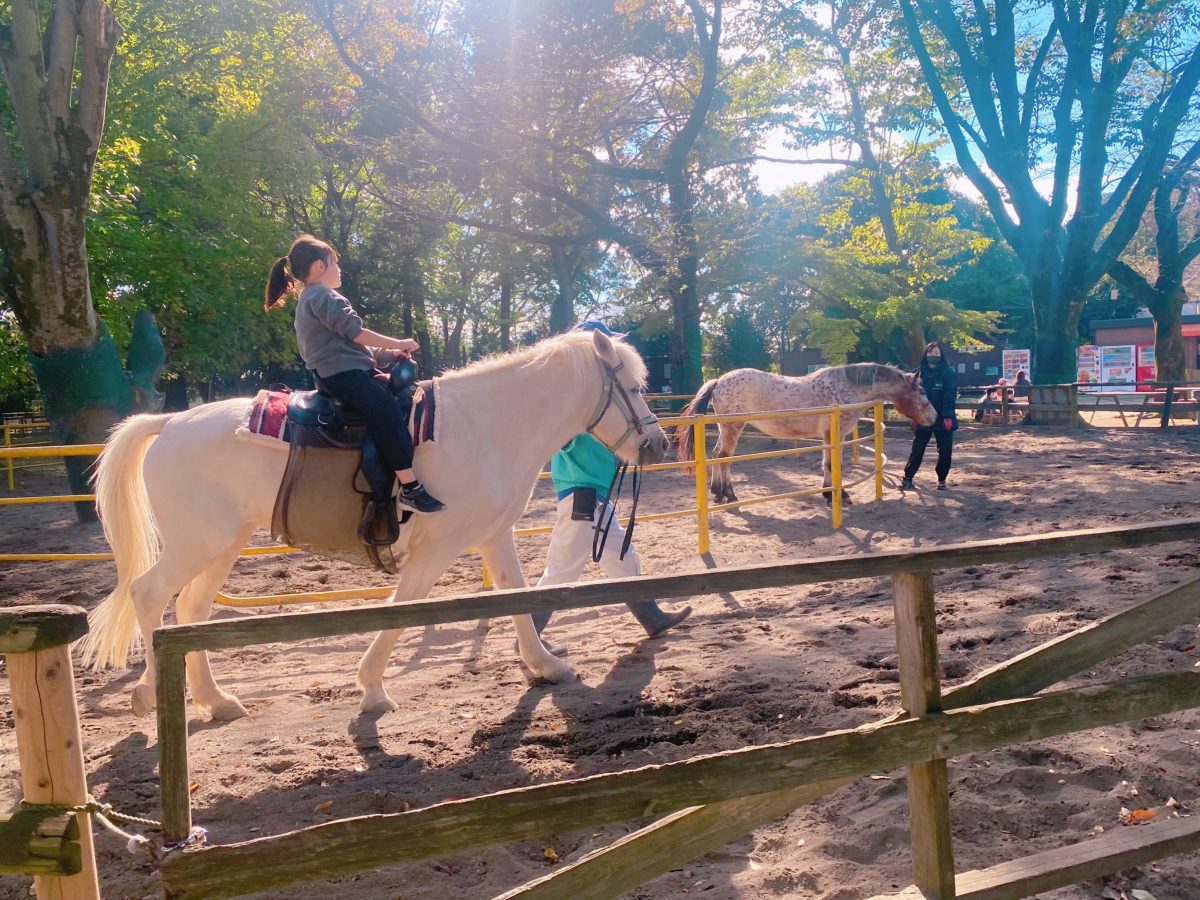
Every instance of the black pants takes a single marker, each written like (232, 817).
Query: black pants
(945, 441)
(385, 418)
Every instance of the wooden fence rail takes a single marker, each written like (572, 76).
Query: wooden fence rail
(712, 799)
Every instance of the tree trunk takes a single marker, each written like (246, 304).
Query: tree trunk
(56, 71)
(416, 320)
(506, 291)
(1169, 358)
(683, 287)
(1057, 302)
(177, 394)
(562, 310)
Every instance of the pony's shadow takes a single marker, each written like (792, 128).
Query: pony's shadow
(629, 675)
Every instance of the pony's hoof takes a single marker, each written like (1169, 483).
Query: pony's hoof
(143, 700)
(376, 703)
(226, 709)
(557, 672)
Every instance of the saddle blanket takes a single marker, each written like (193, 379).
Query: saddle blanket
(268, 419)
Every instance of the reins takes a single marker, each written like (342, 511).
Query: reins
(602, 527)
(636, 425)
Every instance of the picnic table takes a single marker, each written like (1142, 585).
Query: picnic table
(1130, 403)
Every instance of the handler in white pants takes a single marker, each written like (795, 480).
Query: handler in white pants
(582, 472)
(571, 548)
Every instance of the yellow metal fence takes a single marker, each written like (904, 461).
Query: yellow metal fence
(700, 464)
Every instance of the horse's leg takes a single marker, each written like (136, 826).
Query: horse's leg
(194, 605)
(502, 561)
(722, 480)
(150, 593)
(421, 571)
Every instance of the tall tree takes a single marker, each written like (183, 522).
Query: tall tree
(1153, 273)
(56, 69)
(1089, 93)
(598, 108)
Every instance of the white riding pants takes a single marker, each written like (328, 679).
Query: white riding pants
(571, 546)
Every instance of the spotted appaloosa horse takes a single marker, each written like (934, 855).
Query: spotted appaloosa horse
(750, 390)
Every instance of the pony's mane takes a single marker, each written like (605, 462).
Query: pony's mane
(575, 345)
(868, 373)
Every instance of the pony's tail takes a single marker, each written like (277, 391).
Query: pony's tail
(684, 449)
(124, 509)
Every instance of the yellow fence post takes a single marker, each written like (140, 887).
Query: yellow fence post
(701, 460)
(835, 463)
(854, 437)
(8, 445)
(879, 451)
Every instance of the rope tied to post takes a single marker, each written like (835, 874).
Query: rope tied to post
(106, 816)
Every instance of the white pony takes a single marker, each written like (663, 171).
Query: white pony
(200, 492)
(751, 390)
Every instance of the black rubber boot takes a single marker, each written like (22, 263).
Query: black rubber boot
(653, 619)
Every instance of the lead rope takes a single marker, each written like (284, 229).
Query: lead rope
(604, 524)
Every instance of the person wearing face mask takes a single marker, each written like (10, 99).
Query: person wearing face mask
(941, 387)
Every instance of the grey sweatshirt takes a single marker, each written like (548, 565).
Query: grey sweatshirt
(326, 325)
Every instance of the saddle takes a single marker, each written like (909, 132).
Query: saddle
(330, 448)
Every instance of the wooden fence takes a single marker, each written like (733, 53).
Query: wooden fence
(706, 801)
(45, 837)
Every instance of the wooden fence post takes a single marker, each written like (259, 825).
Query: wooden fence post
(920, 695)
(37, 643)
(171, 692)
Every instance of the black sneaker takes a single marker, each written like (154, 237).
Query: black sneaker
(419, 500)
(941, 485)
(907, 485)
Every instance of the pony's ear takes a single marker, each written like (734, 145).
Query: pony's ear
(910, 378)
(604, 348)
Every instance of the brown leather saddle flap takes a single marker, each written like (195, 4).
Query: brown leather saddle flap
(320, 505)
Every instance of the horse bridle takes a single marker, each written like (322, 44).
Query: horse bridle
(637, 425)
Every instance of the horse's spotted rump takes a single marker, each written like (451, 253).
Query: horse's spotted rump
(751, 390)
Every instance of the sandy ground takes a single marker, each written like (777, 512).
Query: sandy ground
(759, 667)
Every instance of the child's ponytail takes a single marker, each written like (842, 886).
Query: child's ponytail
(278, 285)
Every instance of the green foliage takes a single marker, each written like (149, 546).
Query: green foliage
(18, 390)
(738, 344)
(836, 338)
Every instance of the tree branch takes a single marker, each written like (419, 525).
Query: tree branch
(953, 125)
(99, 33)
(24, 72)
(1155, 152)
(61, 36)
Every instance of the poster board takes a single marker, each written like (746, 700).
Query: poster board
(1014, 361)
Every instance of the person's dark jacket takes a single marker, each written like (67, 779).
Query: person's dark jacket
(941, 387)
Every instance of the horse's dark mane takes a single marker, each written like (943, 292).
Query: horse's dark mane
(869, 373)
